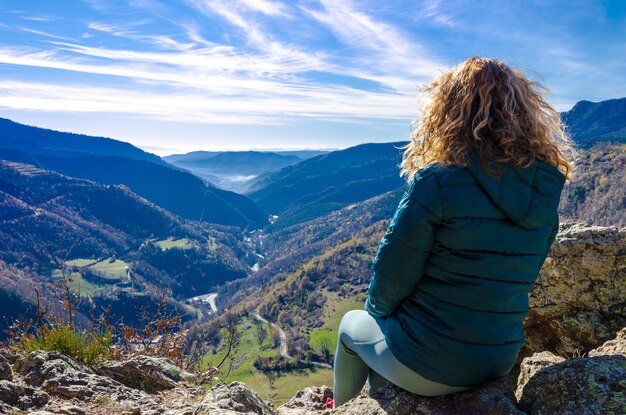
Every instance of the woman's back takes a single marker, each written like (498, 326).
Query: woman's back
(472, 245)
(486, 165)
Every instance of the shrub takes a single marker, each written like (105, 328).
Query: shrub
(62, 337)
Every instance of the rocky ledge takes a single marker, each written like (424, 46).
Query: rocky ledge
(49, 383)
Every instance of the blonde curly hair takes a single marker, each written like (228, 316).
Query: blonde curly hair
(485, 106)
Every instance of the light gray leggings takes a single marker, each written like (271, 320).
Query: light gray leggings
(362, 353)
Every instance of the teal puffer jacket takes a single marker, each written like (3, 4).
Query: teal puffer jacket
(453, 271)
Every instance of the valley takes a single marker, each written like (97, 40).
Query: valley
(282, 260)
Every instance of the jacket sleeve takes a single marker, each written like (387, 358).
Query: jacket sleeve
(405, 246)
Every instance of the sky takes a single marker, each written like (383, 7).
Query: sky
(182, 75)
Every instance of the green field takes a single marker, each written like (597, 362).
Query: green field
(284, 387)
(334, 309)
(80, 262)
(81, 285)
(114, 269)
(170, 242)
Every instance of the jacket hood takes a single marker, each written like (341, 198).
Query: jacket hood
(528, 196)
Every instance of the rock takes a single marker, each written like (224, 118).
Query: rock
(21, 397)
(493, 398)
(60, 375)
(579, 300)
(8, 409)
(9, 357)
(10, 392)
(71, 410)
(309, 401)
(132, 411)
(151, 374)
(5, 369)
(234, 398)
(612, 347)
(531, 365)
(592, 385)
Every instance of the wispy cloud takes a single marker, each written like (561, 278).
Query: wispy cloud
(431, 12)
(264, 80)
(42, 33)
(271, 62)
(194, 106)
(390, 57)
(268, 7)
(40, 18)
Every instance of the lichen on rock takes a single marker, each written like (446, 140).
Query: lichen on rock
(579, 299)
(590, 385)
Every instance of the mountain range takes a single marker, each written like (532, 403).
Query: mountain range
(113, 162)
(237, 170)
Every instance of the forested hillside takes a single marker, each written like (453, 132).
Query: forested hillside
(47, 142)
(119, 249)
(326, 183)
(597, 193)
(591, 122)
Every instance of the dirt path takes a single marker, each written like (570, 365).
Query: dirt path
(283, 343)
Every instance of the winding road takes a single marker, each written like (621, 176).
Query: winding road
(210, 300)
(283, 343)
(281, 334)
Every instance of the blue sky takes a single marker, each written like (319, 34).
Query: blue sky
(172, 76)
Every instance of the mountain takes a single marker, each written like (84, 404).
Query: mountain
(328, 182)
(590, 122)
(120, 248)
(47, 142)
(198, 155)
(236, 170)
(112, 162)
(244, 163)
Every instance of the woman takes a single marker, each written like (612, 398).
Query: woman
(485, 169)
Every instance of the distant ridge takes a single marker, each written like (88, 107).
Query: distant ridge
(109, 161)
(48, 142)
(236, 170)
(591, 122)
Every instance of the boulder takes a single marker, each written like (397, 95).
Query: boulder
(591, 385)
(309, 401)
(60, 375)
(151, 374)
(21, 397)
(613, 346)
(493, 398)
(531, 365)
(579, 299)
(234, 398)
